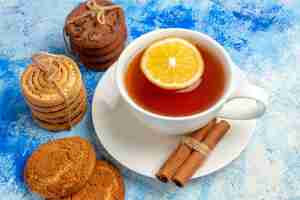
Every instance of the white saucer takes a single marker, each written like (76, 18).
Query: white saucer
(143, 151)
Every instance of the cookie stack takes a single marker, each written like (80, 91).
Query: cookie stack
(53, 89)
(96, 33)
(67, 169)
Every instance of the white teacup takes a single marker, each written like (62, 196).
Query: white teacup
(237, 87)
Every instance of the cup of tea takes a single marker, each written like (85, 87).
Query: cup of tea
(174, 112)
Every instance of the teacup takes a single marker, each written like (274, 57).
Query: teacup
(237, 87)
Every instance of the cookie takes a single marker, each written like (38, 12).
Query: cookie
(58, 108)
(100, 51)
(87, 32)
(99, 66)
(55, 127)
(40, 91)
(60, 167)
(62, 116)
(106, 183)
(104, 58)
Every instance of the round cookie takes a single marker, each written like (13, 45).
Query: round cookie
(62, 116)
(99, 66)
(41, 92)
(55, 127)
(104, 58)
(60, 167)
(58, 108)
(87, 32)
(100, 51)
(106, 183)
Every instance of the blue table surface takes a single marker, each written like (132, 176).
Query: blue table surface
(262, 36)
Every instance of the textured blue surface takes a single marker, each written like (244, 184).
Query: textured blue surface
(262, 36)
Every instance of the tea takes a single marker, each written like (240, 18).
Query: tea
(177, 103)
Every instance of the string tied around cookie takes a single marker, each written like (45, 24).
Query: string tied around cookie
(95, 10)
(51, 72)
(196, 145)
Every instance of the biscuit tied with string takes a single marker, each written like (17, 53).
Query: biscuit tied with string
(53, 83)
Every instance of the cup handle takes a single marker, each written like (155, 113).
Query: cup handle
(248, 102)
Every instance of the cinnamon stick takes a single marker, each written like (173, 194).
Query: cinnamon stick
(196, 159)
(181, 153)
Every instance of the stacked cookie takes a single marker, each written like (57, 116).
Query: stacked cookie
(96, 33)
(53, 89)
(67, 169)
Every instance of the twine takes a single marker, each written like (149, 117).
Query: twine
(95, 11)
(51, 72)
(196, 145)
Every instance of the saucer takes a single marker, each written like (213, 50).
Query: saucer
(144, 151)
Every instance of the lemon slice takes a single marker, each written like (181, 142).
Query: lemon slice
(172, 63)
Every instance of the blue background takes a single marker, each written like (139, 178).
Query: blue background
(262, 36)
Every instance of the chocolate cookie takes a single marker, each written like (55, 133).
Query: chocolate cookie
(88, 32)
(106, 183)
(99, 66)
(100, 51)
(65, 125)
(104, 58)
(60, 167)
